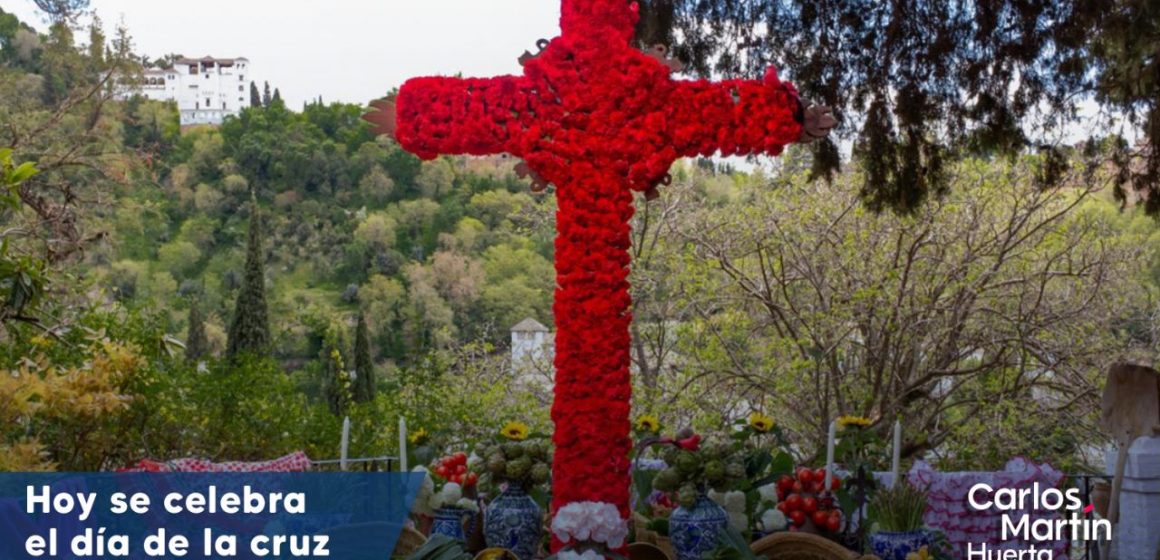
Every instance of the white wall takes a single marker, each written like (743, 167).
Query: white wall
(206, 91)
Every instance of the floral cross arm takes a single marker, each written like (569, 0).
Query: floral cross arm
(442, 115)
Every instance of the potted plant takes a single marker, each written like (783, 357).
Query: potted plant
(699, 524)
(516, 464)
(453, 497)
(897, 514)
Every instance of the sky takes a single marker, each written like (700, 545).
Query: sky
(342, 50)
(356, 51)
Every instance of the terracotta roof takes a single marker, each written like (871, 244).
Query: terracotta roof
(529, 325)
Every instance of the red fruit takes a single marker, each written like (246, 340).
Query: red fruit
(837, 483)
(797, 487)
(456, 479)
(780, 494)
(461, 469)
(793, 502)
(821, 519)
(798, 518)
(441, 471)
(785, 483)
(805, 476)
(834, 524)
(820, 476)
(781, 507)
(470, 480)
(460, 458)
(810, 505)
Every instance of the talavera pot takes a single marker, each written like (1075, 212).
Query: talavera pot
(514, 521)
(889, 545)
(697, 531)
(449, 522)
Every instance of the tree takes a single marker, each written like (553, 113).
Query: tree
(917, 82)
(277, 98)
(266, 95)
(436, 178)
(62, 9)
(255, 95)
(196, 343)
(338, 389)
(250, 329)
(55, 119)
(364, 367)
(96, 41)
(802, 301)
(376, 187)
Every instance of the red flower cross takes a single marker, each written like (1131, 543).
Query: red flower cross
(599, 119)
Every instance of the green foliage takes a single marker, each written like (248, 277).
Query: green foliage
(441, 547)
(250, 326)
(196, 344)
(23, 278)
(919, 84)
(899, 508)
(365, 380)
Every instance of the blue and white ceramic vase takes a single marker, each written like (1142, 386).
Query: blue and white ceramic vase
(697, 531)
(889, 545)
(514, 521)
(449, 522)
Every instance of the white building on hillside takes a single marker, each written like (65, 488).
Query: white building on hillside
(533, 348)
(205, 89)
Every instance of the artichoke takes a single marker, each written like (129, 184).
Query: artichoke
(518, 468)
(667, 480)
(687, 463)
(496, 464)
(513, 450)
(715, 471)
(540, 473)
(735, 470)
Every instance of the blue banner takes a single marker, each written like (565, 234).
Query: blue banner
(203, 515)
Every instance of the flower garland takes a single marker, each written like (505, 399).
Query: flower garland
(599, 119)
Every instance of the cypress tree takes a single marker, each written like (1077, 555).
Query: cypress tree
(96, 41)
(277, 97)
(196, 344)
(255, 96)
(250, 328)
(364, 383)
(337, 388)
(266, 95)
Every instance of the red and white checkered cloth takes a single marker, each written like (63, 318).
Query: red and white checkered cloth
(294, 462)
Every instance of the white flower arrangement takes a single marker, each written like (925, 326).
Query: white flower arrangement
(573, 555)
(768, 493)
(451, 495)
(773, 520)
(733, 503)
(426, 492)
(598, 522)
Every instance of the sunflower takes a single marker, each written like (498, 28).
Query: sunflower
(761, 422)
(855, 421)
(419, 437)
(515, 431)
(648, 423)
